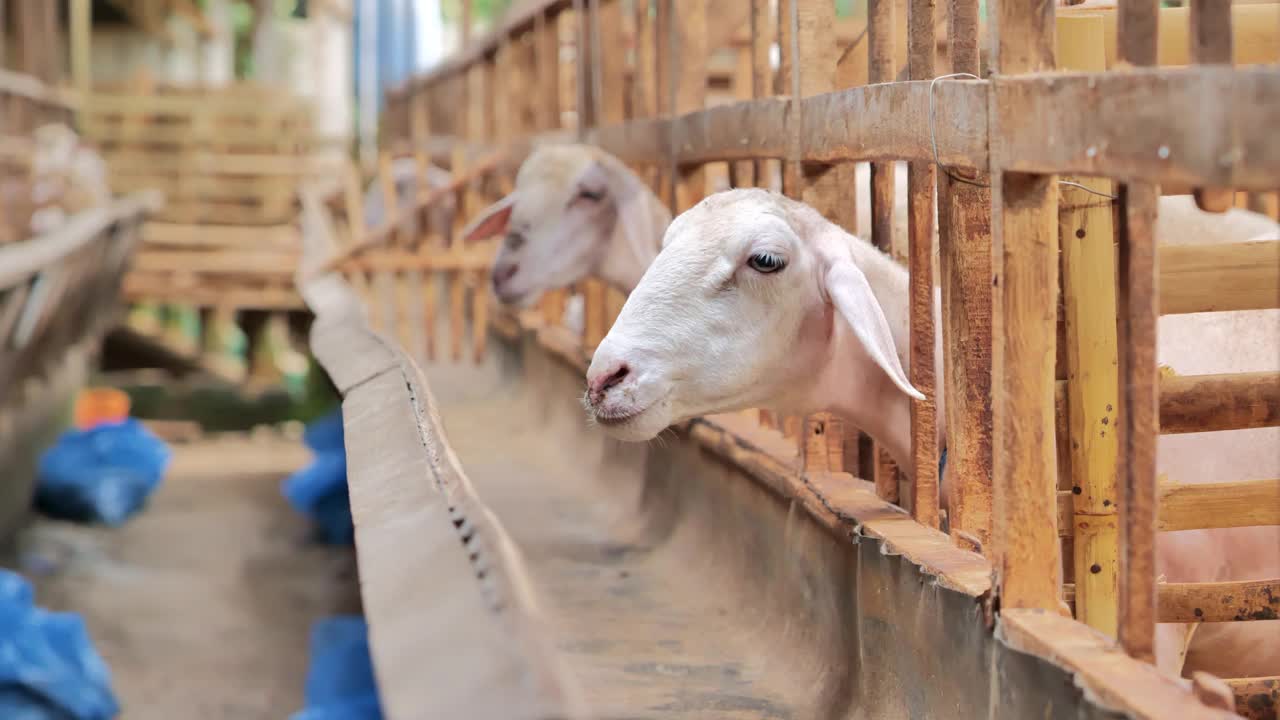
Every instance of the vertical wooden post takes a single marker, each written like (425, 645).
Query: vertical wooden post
(809, 46)
(880, 32)
(689, 59)
(1024, 329)
(547, 69)
(922, 46)
(1137, 28)
(81, 46)
(761, 69)
(1086, 234)
(585, 72)
(964, 254)
(610, 61)
(644, 92)
(1211, 43)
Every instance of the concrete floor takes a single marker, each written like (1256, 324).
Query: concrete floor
(202, 604)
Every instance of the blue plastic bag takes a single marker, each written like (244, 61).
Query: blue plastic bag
(104, 474)
(320, 489)
(49, 669)
(340, 680)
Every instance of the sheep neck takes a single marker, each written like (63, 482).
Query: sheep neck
(871, 401)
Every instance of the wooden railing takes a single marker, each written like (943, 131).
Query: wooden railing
(1044, 350)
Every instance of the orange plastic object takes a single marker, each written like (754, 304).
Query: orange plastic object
(100, 406)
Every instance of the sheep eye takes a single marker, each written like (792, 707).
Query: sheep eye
(592, 195)
(765, 263)
(514, 241)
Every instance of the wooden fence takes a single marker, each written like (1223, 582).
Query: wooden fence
(1092, 93)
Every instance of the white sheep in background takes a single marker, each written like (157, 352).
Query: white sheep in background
(576, 211)
(758, 301)
(67, 177)
(405, 174)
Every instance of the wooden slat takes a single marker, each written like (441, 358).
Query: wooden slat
(1235, 276)
(1192, 506)
(1089, 289)
(880, 69)
(921, 181)
(1211, 44)
(1133, 132)
(1024, 259)
(1087, 237)
(1256, 698)
(690, 57)
(1140, 419)
(1219, 601)
(964, 252)
(1203, 403)
(1139, 399)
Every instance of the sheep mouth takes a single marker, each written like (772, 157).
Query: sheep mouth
(616, 419)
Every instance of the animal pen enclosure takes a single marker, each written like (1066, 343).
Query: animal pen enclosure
(58, 289)
(1047, 159)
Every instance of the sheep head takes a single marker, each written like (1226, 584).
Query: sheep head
(755, 301)
(558, 222)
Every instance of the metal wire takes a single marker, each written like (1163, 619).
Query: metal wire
(933, 141)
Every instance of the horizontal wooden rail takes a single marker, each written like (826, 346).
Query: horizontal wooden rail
(1135, 131)
(31, 88)
(405, 261)
(1201, 506)
(1219, 601)
(22, 260)
(381, 234)
(1191, 506)
(202, 294)
(256, 263)
(1235, 276)
(1132, 135)
(1256, 697)
(1206, 403)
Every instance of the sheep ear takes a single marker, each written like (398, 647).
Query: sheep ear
(634, 217)
(851, 294)
(491, 222)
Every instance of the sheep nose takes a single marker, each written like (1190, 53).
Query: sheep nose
(600, 383)
(503, 273)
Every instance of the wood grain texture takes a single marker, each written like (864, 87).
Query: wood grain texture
(880, 69)
(1210, 31)
(1024, 332)
(1204, 403)
(921, 183)
(1219, 601)
(1193, 506)
(689, 84)
(1205, 278)
(964, 243)
(1140, 419)
(1089, 289)
(1131, 132)
(1256, 698)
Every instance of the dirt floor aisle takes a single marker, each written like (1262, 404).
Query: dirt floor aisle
(202, 604)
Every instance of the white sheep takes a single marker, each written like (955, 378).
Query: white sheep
(758, 301)
(575, 211)
(67, 177)
(406, 177)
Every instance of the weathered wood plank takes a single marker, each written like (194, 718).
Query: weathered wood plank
(1024, 332)
(1134, 132)
(1205, 403)
(1219, 601)
(1192, 506)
